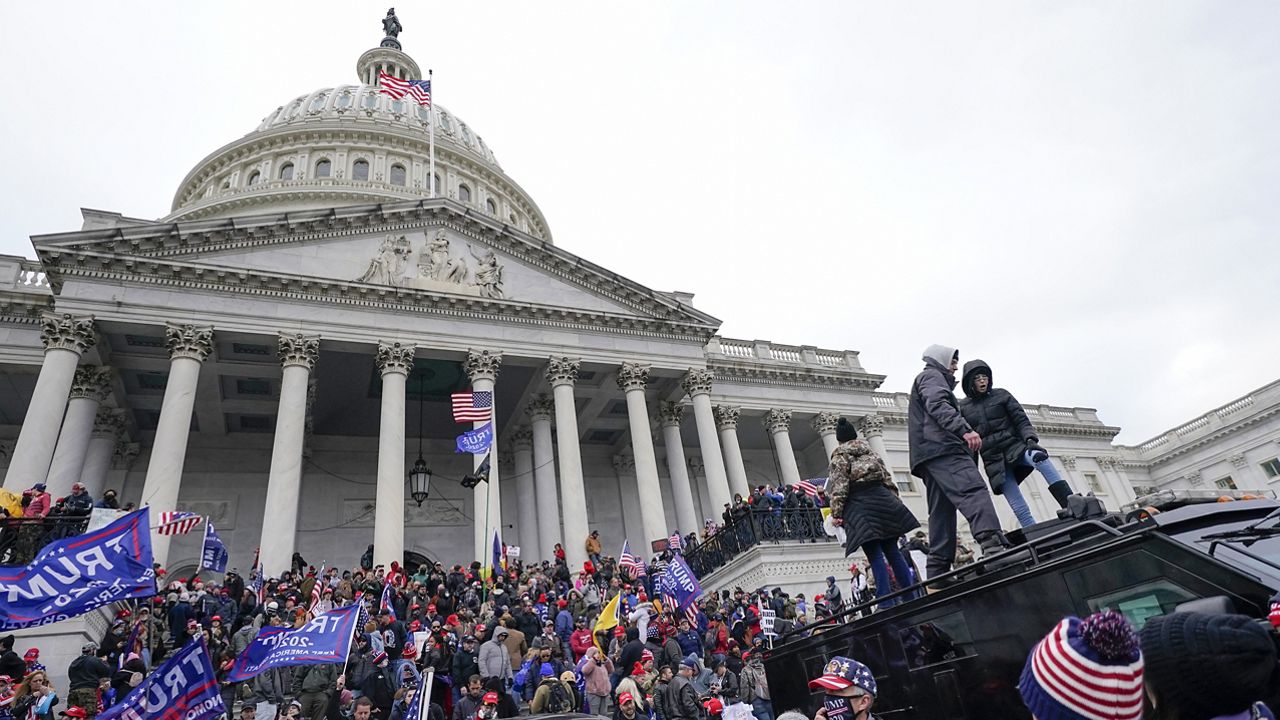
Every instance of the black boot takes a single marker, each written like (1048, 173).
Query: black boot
(992, 542)
(1060, 491)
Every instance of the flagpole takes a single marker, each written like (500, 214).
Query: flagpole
(431, 129)
(424, 696)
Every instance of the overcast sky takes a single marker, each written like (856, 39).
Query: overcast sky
(1086, 195)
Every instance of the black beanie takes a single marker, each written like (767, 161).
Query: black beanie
(1204, 665)
(845, 431)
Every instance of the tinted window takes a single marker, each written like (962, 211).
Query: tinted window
(946, 638)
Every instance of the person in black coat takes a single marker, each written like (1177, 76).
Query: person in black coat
(1010, 446)
(864, 501)
(11, 663)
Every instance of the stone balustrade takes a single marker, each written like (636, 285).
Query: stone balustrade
(18, 274)
(770, 352)
(1206, 424)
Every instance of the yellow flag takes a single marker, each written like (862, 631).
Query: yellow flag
(608, 619)
(11, 502)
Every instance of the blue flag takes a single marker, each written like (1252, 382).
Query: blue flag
(388, 600)
(214, 555)
(497, 567)
(73, 576)
(476, 441)
(679, 581)
(183, 688)
(325, 639)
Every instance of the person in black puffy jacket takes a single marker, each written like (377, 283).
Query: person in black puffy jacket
(1010, 447)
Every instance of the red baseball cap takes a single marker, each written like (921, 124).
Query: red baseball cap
(714, 706)
(74, 712)
(490, 698)
(625, 697)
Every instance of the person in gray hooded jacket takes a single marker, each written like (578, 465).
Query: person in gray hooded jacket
(942, 454)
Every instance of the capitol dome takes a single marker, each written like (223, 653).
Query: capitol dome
(351, 145)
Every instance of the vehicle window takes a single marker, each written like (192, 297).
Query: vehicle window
(946, 638)
(1143, 601)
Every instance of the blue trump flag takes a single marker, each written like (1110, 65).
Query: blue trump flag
(679, 581)
(326, 639)
(476, 441)
(183, 688)
(73, 576)
(214, 555)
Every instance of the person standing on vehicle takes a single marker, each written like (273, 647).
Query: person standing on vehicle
(1010, 446)
(942, 443)
(1202, 665)
(849, 690)
(864, 501)
(1090, 668)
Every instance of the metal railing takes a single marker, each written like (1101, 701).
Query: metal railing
(751, 528)
(22, 538)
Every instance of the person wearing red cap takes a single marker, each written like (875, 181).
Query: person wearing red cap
(850, 690)
(32, 659)
(628, 708)
(75, 711)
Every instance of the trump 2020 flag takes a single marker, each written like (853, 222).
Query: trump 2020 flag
(183, 688)
(326, 639)
(214, 555)
(73, 576)
(679, 581)
(476, 441)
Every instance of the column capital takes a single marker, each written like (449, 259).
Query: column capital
(109, 422)
(482, 365)
(1106, 462)
(188, 341)
(126, 454)
(67, 332)
(726, 416)
(541, 407)
(871, 425)
(92, 382)
(298, 349)
(824, 423)
(521, 438)
(697, 382)
(1068, 461)
(394, 357)
(633, 376)
(1194, 477)
(670, 414)
(777, 420)
(624, 464)
(563, 370)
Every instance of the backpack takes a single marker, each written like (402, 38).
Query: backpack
(560, 700)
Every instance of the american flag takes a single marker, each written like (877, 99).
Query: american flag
(472, 406)
(692, 612)
(631, 563)
(387, 603)
(255, 576)
(811, 487)
(418, 90)
(674, 542)
(177, 522)
(362, 617)
(315, 591)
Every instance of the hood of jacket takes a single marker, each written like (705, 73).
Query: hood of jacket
(939, 355)
(971, 368)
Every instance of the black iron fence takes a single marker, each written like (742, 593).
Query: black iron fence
(22, 538)
(753, 528)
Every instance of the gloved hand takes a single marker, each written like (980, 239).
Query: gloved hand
(1037, 453)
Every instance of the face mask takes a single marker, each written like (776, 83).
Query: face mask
(838, 707)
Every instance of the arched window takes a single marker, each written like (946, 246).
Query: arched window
(254, 177)
(317, 104)
(490, 207)
(439, 185)
(397, 175)
(464, 194)
(286, 171)
(360, 170)
(226, 184)
(324, 168)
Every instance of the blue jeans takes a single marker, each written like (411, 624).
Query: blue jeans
(1013, 494)
(762, 709)
(883, 554)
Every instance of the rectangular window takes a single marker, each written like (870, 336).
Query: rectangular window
(905, 482)
(1225, 483)
(1095, 486)
(1272, 468)
(153, 380)
(253, 386)
(943, 640)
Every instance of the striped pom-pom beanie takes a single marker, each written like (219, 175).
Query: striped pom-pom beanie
(1087, 669)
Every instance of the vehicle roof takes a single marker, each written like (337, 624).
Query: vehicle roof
(1219, 511)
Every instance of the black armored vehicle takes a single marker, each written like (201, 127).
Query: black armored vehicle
(957, 652)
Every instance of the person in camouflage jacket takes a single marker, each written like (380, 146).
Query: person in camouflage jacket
(864, 501)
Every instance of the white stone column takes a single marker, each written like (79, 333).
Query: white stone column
(1120, 488)
(482, 367)
(871, 428)
(108, 426)
(541, 409)
(562, 373)
(189, 346)
(526, 497)
(298, 355)
(727, 425)
(697, 383)
(65, 339)
(89, 388)
(395, 362)
(824, 423)
(778, 422)
(669, 416)
(632, 379)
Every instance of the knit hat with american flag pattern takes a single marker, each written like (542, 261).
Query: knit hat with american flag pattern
(1087, 669)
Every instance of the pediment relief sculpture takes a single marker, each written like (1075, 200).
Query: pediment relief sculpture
(438, 268)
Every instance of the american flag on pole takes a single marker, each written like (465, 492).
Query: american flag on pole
(472, 406)
(387, 603)
(674, 542)
(811, 487)
(315, 592)
(177, 522)
(631, 563)
(417, 90)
